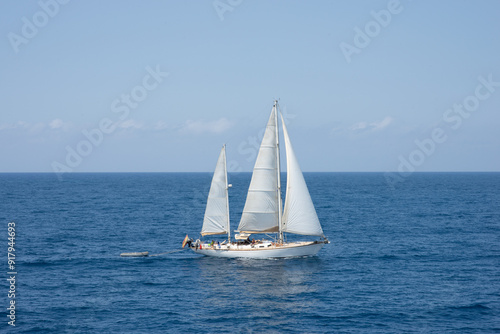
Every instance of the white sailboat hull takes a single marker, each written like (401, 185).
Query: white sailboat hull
(295, 249)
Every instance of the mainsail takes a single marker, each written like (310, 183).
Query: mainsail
(216, 219)
(299, 215)
(261, 210)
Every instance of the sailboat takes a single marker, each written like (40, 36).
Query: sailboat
(263, 212)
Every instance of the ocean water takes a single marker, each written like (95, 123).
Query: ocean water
(421, 258)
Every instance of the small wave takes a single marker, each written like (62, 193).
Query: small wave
(389, 257)
(475, 306)
(39, 263)
(156, 283)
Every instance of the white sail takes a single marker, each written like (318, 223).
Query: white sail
(299, 215)
(260, 213)
(216, 219)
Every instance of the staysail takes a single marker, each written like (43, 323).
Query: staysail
(299, 215)
(216, 219)
(261, 210)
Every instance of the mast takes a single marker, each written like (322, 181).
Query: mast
(227, 198)
(278, 170)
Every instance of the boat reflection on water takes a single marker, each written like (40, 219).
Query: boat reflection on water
(266, 291)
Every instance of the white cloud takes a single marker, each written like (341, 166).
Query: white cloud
(56, 123)
(359, 126)
(6, 126)
(160, 125)
(382, 124)
(198, 127)
(130, 123)
(31, 128)
(373, 126)
(21, 125)
(36, 128)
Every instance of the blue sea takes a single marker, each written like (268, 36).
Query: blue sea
(423, 257)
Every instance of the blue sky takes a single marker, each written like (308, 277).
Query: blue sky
(385, 104)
